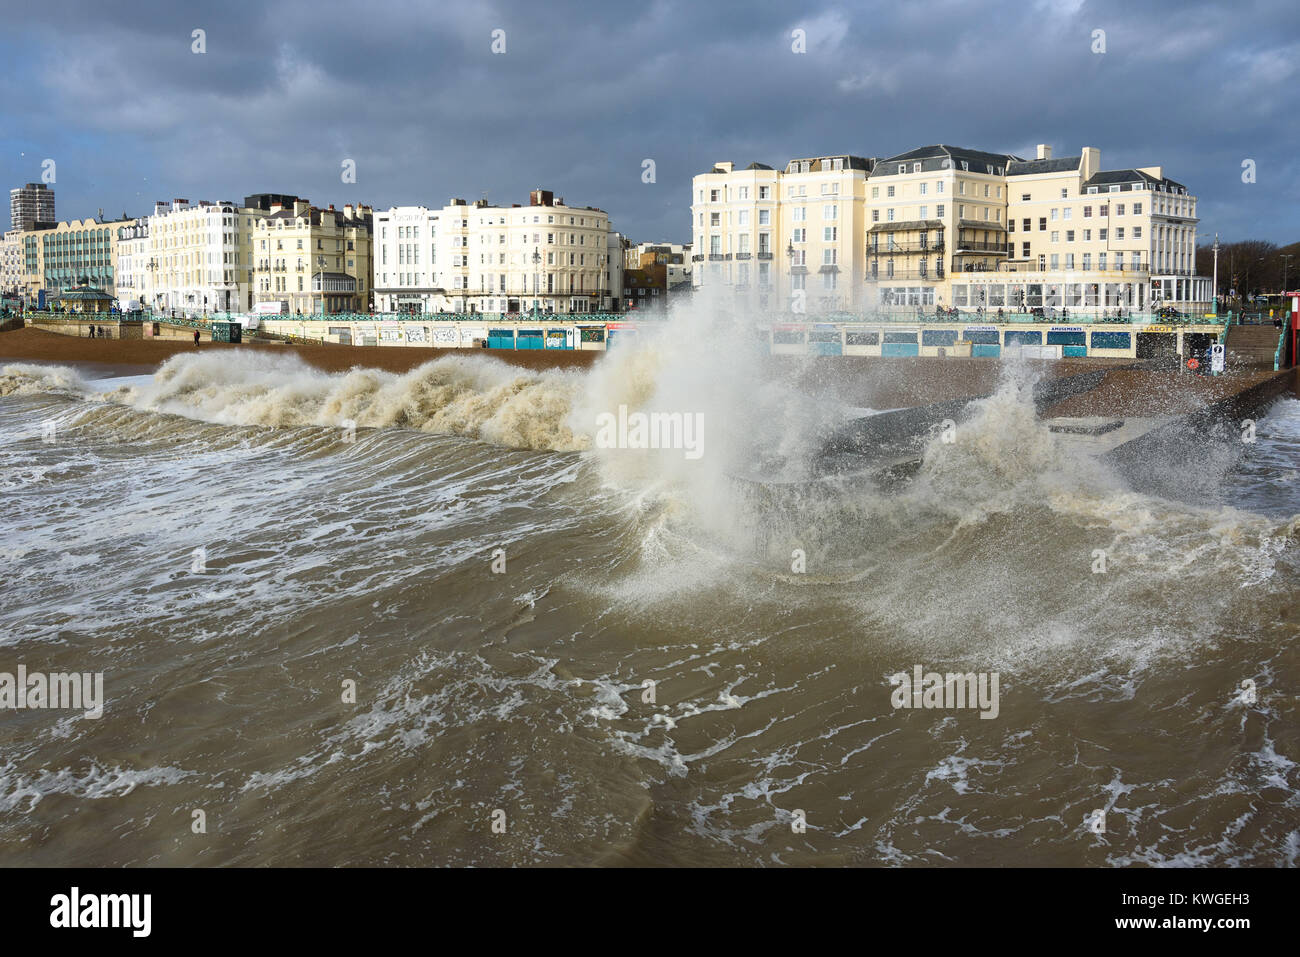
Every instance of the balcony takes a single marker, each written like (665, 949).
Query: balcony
(697, 258)
(972, 246)
(906, 248)
(764, 255)
(715, 257)
(743, 256)
(924, 275)
(1128, 272)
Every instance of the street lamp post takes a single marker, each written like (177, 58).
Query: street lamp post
(789, 257)
(1286, 270)
(1216, 275)
(537, 265)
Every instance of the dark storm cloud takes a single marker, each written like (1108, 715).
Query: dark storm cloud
(586, 91)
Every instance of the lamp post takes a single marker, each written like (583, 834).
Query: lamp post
(537, 265)
(1216, 275)
(789, 257)
(1286, 269)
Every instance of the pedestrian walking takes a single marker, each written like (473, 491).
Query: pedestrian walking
(196, 338)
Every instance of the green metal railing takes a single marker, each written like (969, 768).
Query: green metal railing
(901, 315)
(350, 318)
(1281, 345)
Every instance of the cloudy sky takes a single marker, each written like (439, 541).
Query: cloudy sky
(584, 92)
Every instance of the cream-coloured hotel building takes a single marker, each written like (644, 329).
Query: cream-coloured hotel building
(944, 226)
(546, 256)
(786, 238)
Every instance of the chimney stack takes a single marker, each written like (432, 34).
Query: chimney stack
(1044, 151)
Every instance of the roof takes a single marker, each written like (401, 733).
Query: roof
(940, 151)
(1063, 164)
(1114, 176)
(818, 162)
(85, 294)
(908, 224)
(758, 166)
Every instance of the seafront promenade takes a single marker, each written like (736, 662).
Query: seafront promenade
(1054, 334)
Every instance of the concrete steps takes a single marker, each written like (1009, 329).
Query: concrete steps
(1252, 346)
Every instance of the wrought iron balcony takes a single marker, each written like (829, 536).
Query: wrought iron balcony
(905, 248)
(964, 245)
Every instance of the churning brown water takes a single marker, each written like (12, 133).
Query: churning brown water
(769, 735)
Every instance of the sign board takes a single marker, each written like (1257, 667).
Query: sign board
(1067, 329)
(1216, 357)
